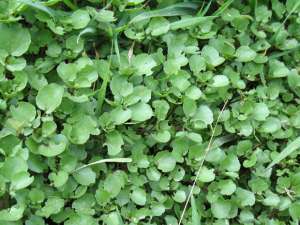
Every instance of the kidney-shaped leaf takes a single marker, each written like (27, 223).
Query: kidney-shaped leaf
(49, 97)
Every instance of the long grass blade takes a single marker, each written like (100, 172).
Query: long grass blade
(289, 149)
(203, 11)
(195, 215)
(286, 52)
(116, 47)
(179, 9)
(187, 22)
(223, 7)
(39, 6)
(115, 160)
(218, 142)
(87, 30)
(210, 142)
(285, 19)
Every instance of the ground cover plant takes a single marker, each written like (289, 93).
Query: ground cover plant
(149, 112)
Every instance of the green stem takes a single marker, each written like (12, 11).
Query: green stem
(70, 4)
(102, 93)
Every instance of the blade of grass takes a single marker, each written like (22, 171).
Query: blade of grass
(218, 142)
(202, 12)
(195, 215)
(187, 22)
(289, 149)
(39, 6)
(223, 7)
(115, 160)
(210, 142)
(102, 90)
(116, 47)
(285, 19)
(70, 4)
(174, 10)
(66, 2)
(286, 52)
(85, 31)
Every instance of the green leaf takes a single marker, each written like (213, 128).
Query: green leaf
(161, 109)
(245, 197)
(271, 125)
(59, 178)
(220, 81)
(120, 116)
(294, 210)
(138, 196)
(221, 209)
(206, 175)
(24, 112)
(211, 56)
(21, 180)
(85, 176)
(14, 213)
(55, 146)
(143, 64)
(80, 19)
(114, 142)
(227, 187)
(278, 69)
(20, 42)
(158, 26)
(165, 161)
(49, 97)
(245, 54)
(204, 114)
(141, 112)
(197, 64)
(113, 183)
(52, 206)
(260, 111)
(81, 219)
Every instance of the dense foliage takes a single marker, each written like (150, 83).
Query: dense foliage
(107, 109)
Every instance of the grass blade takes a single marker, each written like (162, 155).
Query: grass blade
(174, 10)
(116, 47)
(203, 11)
(223, 7)
(187, 22)
(115, 160)
(286, 52)
(289, 149)
(39, 6)
(195, 215)
(85, 31)
(218, 142)
(208, 148)
(274, 36)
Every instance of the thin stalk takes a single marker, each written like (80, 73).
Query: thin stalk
(201, 164)
(115, 160)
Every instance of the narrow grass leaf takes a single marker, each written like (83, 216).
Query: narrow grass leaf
(174, 10)
(88, 30)
(187, 22)
(195, 215)
(223, 7)
(115, 160)
(289, 149)
(39, 6)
